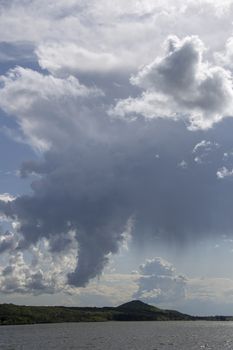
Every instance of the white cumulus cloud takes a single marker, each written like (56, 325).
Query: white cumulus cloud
(160, 283)
(181, 85)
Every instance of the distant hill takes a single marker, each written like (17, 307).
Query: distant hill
(135, 305)
(135, 310)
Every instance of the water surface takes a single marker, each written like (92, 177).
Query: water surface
(119, 336)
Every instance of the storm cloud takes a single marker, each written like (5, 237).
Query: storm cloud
(116, 136)
(93, 185)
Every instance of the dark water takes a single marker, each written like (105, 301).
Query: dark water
(119, 336)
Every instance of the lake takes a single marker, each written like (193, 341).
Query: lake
(119, 336)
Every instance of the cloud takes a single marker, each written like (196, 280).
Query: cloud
(69, 57)
(160, 283)
(7, 242)
(94, 173)
(28, 273)
(203, 150)
(6, 197)
(135, 26)
(224, 58)
(34, 99)
(157, 266)
(223, 173)
(181, 85)
(183, 164)
(4, 220)
(110, 289)
(209, 294)
(206, 145)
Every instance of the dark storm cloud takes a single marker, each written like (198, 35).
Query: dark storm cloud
(94, 187)
(97, 171)
(7, 243)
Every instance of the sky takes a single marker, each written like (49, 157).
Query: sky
(116, 153)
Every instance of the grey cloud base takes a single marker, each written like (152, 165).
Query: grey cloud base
(94, 190)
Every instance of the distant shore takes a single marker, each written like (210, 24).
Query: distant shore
(136, 310)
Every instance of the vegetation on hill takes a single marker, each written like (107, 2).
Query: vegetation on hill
(11, 314)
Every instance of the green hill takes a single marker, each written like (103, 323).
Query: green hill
(135, 310)
(138, 305)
